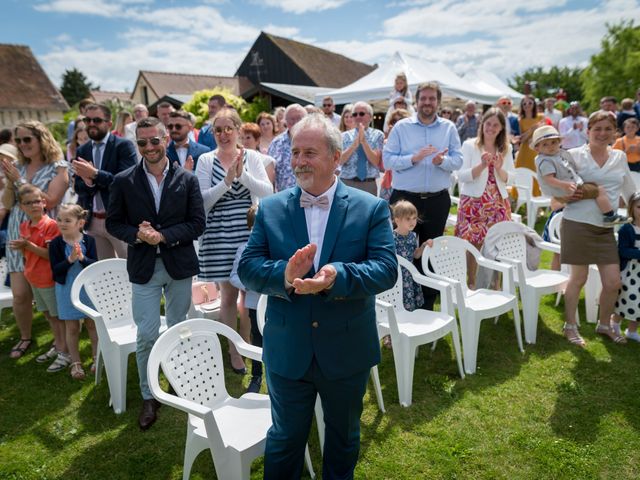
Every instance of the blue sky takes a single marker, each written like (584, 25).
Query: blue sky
(110, 40)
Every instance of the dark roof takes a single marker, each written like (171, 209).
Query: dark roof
(325, 68)
(101, 96)
(23, 82)
(163, 83)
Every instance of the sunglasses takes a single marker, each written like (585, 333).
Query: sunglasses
(94, 120)
(25, 140)
(32, 202)
(505, 103)
(327, 104)
(445, 112)
(227, 130)
(142, 142)
(174, 126)
(359, 114)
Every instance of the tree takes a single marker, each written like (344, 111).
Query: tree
(615, 70)
(75, 86)
(545, 83)
(198, 105)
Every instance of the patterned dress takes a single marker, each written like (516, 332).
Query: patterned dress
(477, 215)
(226, 228)
(42, 178)
(411, 292)
(628, 302)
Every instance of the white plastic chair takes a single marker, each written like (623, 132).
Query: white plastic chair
(512, 249)
(409, 330)
(524, 185)
(6, 297)
(107, 285)
(233, 429)
(446, 260)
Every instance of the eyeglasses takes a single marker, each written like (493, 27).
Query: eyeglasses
(505, 102)
(174, 126)
(94, 120)
(327, 104)
(359, 114)
(445, 112)
(33, 202)
(142, 142)
(227, 130)
(25, 140)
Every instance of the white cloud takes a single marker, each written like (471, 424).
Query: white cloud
(303, 6)
(100, 8)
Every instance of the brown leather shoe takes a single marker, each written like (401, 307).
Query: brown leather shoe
(149, 413)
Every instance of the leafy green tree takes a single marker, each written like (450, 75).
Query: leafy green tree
(199, 105)
(75, 86)
(615, 70)
(546, 83)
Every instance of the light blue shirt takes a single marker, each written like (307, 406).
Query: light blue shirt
(407, 137)
(375, 140)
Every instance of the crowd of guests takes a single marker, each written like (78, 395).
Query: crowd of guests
(147, 188)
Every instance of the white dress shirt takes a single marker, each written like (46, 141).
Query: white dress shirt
(573, 137)
(317, 219)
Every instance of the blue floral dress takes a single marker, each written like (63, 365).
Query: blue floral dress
(411, 292)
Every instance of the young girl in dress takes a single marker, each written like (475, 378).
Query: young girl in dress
(405, 217)
(400, 89)
(69, 253)
(628, 303)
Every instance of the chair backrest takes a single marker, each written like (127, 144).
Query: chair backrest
(448, 258)
(3, 273)
(513, 246)
(190, 356)
(394, 294)
(554, 228)
(109, 289)
(261, 313)
(524, 177)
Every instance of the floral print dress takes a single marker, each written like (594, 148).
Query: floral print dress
(411, 292)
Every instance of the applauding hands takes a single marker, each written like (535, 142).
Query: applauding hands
(299, 265)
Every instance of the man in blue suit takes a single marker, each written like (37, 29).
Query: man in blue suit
(182, 150)
(321, 251)
(97, 163)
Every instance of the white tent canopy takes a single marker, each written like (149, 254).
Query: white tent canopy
(378, 84)
(485, 80)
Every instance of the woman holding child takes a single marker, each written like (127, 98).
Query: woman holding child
(487, 169)
(40, 163)
(585, 239)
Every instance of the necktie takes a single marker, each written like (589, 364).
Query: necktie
(307, 201)
(361, 171)
(98, 206)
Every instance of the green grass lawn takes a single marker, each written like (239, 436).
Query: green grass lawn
(554, 412)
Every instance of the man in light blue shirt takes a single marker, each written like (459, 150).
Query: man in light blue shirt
(423, 151)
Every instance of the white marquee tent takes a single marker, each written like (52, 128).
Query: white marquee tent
(484, 80)
(378, 84)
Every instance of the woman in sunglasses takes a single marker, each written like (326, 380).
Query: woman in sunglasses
(40, 163)
(231, 180)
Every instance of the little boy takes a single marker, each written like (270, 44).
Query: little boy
(251, 303)
(558, 178)
(35, 235)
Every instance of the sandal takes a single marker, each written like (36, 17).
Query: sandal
(613, 333)
(77, 372)
(571, 333)
(20, 349)
(386, 342)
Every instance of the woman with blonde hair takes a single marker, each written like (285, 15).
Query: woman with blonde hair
(346, 118)
(267, 124)
(124, 118)
(40, 163)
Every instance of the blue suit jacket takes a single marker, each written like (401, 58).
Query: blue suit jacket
(119, 154)
(195, 150)
(206, 137)
(358, 242)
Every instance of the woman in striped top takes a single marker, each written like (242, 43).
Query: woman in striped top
(231, 180)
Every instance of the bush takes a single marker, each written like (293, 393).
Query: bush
(198, 105)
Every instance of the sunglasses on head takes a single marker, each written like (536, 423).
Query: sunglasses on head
(94, 120)
(174, 126)
(142, 142)
(25, 140)
(219, 130)
(358, 114)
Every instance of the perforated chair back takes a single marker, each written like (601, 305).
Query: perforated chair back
(513, 246)
(394, 294)
(448, 258)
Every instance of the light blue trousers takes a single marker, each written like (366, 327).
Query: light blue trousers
(146, 313)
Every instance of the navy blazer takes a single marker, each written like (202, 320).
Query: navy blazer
(195, 150)
(337, 328)
(180, 219)
(119, 154)
(59, 263)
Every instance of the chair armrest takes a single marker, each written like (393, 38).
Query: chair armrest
(249, 351)
(181, 403)
(493, 265)
(383, 304)
(548, 246)
(507, 272)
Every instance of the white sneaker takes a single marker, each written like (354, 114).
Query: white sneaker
(48, 355)
(635, 336)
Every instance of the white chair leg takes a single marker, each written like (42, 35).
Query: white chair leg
(591, 293)
(517, 324)
(531, 215)
(192, 449)
(455, 336)
(410, 360)
(470, 336)
(99, 362)
(320, 423)
(116, 367)
(558, 297)
(307, 461)
(530, 307)
(377, 388)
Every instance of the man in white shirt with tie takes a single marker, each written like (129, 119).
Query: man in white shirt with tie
(321, 251)
(94, 168)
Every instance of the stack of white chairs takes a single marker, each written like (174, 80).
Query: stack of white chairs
(446, 260)
(107, 285)
(409, 330)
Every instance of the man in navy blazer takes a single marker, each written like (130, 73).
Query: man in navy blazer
(321, 251)
(182, 150)
(98, 161)
(156, 208)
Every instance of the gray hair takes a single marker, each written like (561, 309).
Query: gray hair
(294, 106)
(317, 121)
(365, 105)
